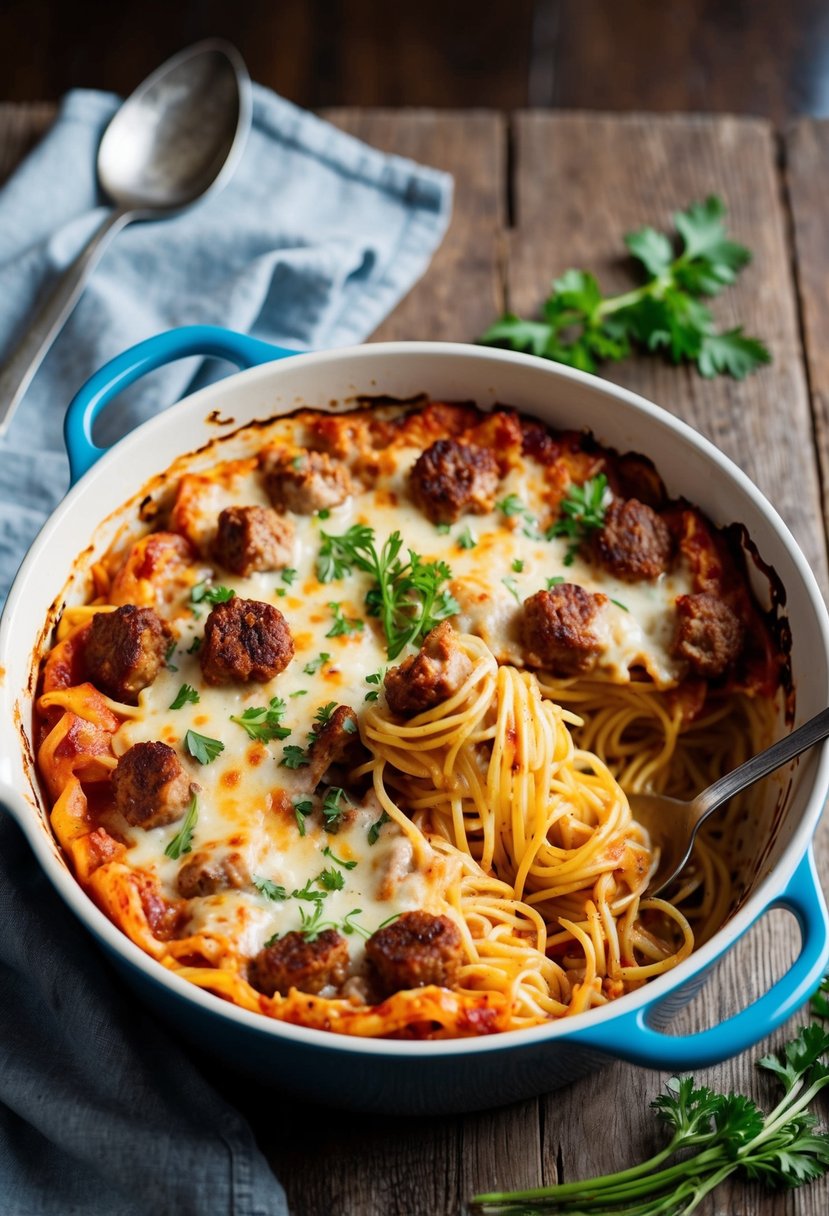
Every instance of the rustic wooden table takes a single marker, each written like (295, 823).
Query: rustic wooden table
(536, 193)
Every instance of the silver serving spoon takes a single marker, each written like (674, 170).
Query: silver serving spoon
(673, 825)
(177, 138)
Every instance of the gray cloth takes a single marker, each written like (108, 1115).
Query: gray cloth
(101, 1112)
(314, 240)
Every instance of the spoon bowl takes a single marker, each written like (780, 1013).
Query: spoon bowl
(673, 824)
(175, 140)
(179, 135)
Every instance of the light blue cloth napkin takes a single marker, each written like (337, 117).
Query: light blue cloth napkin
(312, 243)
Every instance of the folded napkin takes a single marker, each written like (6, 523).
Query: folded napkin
(310, 245)
(314, 240)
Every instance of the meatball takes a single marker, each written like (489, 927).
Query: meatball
(415, 950)
(334, 741)
(305, 483)
(124, 650)
(556, 629)
(293, 961)
(252, 539)
(432, 675)
(245, 640)
(209, 871)
(452, 478)
(708, 636)
(635, 543)
(151, 786)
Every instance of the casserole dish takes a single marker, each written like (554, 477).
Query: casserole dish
(447, 1075)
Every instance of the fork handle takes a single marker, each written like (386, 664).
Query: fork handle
(51, 313)
(765, 762)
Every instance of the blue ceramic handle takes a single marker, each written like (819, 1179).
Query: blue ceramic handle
(637, 1042)
(125, 369)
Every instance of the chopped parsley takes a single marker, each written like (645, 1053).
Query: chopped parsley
(518, 565)
(443, 529)
(293, 756)
(202, 747)
(186, 695)
(582, 511)
(313, 667)
(513, 507)
(324, 713)
(171, 650)
(194, 645)
(619, 604)
(301, 810)
(374, 830)
(509, 583)
(263, 722)
(300, 692)
(206, 593)
(349, 926)
(269, 889)
(343, 626)
(347, 865)
(182, 842)
(555, 581)
(288, 576)
(309, 893)
(331, 808)
(375, 678)
(465, 539)
(331, 880)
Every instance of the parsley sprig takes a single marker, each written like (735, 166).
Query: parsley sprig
(182, 842)
(724, 1133)
(343, 626)
(202, 747)
(186, 695)
(408, 596)
(581, 327)
(582, 510)
(264, 722)
(205, 593)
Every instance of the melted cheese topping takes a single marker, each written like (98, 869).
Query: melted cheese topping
(246, 796)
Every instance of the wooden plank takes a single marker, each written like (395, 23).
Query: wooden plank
(460, 293)
(807, 175)
(693, 56)
(582, 181)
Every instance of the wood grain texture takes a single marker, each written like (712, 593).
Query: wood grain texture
(744, 56)
(580, 182)
(807, 177)
(460, 293)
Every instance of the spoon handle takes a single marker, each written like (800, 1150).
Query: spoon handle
(57, 304)
(765, 762)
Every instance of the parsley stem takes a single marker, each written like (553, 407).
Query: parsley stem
(628, 299)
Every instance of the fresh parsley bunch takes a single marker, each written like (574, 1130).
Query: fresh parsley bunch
(581, 327)
(715, 1135)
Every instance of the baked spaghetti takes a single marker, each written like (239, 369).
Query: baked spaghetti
(344, 732)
